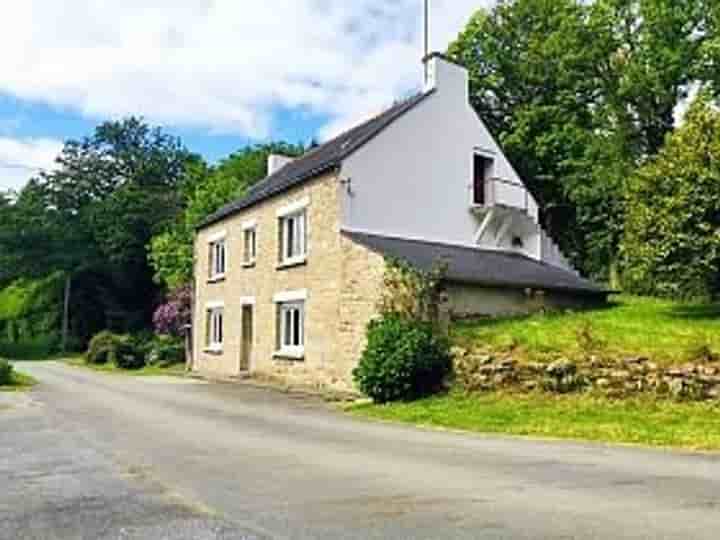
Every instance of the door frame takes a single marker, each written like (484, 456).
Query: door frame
(247, 302)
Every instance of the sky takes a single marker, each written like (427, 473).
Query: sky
(218, 73)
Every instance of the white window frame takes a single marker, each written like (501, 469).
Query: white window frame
(215, 338)
(292, 329)
(294, 215)
(249, 255)
(218, 257)
(291, 302)
(488, 155)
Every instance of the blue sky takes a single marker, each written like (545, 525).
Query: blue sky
(218, 74)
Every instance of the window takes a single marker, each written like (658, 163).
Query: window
(291, 329)
(250, 246)
(293, 240)
(215, 329)
(482, 172)
(217, 259)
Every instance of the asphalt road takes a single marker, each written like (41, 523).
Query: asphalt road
(86, 455)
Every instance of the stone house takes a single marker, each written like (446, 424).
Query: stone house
(287, 278)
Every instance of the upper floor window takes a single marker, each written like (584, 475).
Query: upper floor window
(249, 245)
(293, 237)
(482, 173)
(218, 259)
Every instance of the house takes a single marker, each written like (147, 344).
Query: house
(288, 277)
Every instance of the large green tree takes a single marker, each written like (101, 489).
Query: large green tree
(93, 216)
(205, 191)
(672, 238)
(582, 93)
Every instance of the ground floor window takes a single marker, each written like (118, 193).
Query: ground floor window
(215, 329)
(291, 328)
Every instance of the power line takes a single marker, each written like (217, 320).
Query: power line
(9, 165)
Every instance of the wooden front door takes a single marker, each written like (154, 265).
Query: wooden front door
(247, 338)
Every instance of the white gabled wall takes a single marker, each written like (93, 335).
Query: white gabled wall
(415, 178)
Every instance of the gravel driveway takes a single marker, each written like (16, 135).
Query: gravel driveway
(91, 456)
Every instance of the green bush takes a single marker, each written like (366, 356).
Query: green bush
(127, 355)
(403, 360)
(122, 350)
(38, 348)
(102, 348)
(6, 372)
(166, 351)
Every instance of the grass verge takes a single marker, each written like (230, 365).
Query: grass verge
(18, 383)
(177, 370)
(668, 332)
(643, 421)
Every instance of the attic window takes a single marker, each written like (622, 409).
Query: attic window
(482, 172)
(517, 242)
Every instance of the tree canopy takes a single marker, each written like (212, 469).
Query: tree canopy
(205, 191)
(94, 215)
(580, 94)
(672, 242)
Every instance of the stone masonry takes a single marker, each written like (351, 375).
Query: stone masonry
(342, 280)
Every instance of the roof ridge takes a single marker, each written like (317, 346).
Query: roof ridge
(321, 159)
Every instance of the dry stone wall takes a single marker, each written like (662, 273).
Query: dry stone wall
(614, 378)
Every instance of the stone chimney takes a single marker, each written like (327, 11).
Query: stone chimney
(277, 162)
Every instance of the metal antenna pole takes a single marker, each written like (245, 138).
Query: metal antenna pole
(427, 38)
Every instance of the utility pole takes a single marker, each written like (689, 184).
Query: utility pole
(427, 38)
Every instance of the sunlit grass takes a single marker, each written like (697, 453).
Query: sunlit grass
(19, 382)
(663, 330)
(147, 371)
(643, 421)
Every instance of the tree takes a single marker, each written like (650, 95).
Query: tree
(94, 216)
(672, 235)
(580, 94)
(205, 191)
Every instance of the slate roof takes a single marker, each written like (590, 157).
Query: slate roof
(479, 266)
(319, 160)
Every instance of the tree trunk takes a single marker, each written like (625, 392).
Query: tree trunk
(614, 274)
(66, 313)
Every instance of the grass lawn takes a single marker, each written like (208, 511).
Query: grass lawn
(147, 371)
(645, 421)
(665, 331)
(18, 383)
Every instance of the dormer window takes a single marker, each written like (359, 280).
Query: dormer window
(482, 173)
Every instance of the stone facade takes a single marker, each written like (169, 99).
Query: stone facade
(342, 282)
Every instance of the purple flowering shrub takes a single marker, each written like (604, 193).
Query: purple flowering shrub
(170, 318)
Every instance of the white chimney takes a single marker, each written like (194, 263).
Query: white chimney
(277, 162)
(446, 76)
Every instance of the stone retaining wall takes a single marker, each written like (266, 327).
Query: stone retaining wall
(614, 378)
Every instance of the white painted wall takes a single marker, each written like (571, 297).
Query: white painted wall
(415, 178)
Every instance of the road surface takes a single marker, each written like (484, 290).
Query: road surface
(89, 455)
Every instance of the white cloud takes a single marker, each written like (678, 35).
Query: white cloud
(220, 65)
(21, 159)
